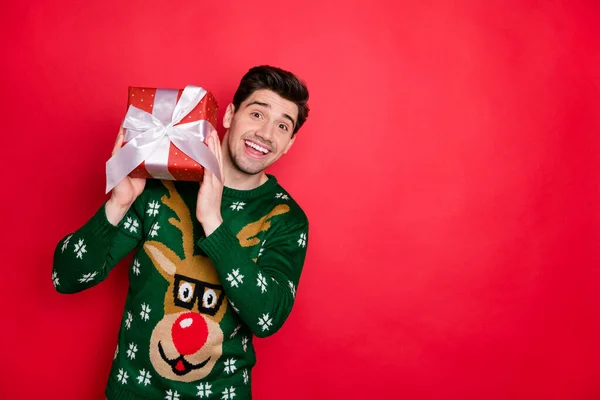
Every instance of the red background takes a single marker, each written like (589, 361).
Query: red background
(449, 168)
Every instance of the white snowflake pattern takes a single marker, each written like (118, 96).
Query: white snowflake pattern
(261, 283)
(172, 395)
(80, 249)
(204, 390)
(154, 229)
(122, 376)
(145, 313)
(228, 393)
(65, 243)
(136, 266)
(262, 248)
(87, 277)
(128, 320)
(245, 343)
(302, 240)
(235, 331)
(131, 351)
(131, 224)
(234, 307)
(282, 196)
(230, 366)
(292, 288)
(153, 208)
(246, 377)
(235, 278)
(116, 352)
(144, 377)
(55, 279)
(265, 322)
(237, 206)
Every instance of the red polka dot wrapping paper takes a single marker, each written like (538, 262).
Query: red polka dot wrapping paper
(180, 165)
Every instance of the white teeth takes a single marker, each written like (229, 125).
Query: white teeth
(256, 147)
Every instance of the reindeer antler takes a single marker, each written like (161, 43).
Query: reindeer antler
(184, 221)
(247, 236)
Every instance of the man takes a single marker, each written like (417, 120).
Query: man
(213, 266)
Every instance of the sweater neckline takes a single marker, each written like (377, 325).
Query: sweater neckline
(259, 191)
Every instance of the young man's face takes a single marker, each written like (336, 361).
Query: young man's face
(260, 131)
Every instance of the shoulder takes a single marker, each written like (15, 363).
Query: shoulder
(295, 215)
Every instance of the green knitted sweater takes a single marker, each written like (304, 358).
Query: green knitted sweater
(194, 302)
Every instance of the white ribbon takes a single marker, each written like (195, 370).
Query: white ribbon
(149, 136)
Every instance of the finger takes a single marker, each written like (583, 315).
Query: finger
(209, 142)
(222, 182)
(219, 155)
(213, 137)
(206, 178)
(119, 141)
(218, 146)
(215, 146)
(220, 152)
(216, 143)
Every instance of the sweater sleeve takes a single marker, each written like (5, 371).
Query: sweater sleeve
(261, 291)
(84, 258)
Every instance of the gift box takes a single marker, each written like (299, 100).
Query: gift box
(165, 131)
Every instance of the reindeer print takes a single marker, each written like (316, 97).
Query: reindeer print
(187, 342)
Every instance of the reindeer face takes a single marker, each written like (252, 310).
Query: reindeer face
(187, 342)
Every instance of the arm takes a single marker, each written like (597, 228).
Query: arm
(262, 292)
(264, 296)
(85, 257)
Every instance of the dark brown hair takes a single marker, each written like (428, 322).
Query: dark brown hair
(282, 82)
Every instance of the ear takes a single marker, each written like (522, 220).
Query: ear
(289, 144)
(228, 116)
(164, 259)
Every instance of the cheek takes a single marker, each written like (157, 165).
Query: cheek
(286, 145)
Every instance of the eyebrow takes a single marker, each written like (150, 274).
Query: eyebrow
(269, 106)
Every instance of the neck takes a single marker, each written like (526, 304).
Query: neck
(236, 179)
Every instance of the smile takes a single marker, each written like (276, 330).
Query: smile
(180, 365)
(255, 146)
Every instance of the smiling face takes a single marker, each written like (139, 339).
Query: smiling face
(259, 132)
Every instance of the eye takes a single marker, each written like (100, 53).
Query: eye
(186, 292)
(209, 300)
(283, 127)
(256, 114)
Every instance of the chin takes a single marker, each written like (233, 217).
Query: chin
(250, 169)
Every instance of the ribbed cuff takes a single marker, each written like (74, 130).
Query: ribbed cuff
(219, 243)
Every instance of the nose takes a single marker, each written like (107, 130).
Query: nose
(189, 333)
(265, 131)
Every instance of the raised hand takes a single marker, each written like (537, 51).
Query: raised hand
(125, 192)
(208, 205)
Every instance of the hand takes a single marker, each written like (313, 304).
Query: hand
(124, 194)
(208, 205)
